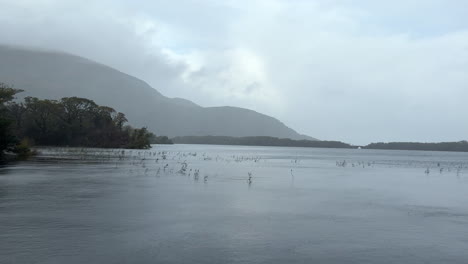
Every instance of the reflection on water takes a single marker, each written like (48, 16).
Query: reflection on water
(227, 204)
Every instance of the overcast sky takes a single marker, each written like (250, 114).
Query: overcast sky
(358, 71)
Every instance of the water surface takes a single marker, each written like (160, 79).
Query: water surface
(303, 205)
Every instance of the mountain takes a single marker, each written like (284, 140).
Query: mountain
(53, 75)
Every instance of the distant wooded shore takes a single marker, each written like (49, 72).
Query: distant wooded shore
(80, 122)
(461, 146)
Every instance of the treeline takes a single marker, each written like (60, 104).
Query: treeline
(259, 141)
(71, 121)
(461, 146)
(163, 140)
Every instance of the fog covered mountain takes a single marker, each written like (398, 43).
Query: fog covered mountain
(54, 75)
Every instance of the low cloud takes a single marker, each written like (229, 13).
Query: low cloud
(356, 71)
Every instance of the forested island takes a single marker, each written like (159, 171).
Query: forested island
(259, 141)
(70, 121)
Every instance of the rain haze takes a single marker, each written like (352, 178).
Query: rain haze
(234, 131)
(355, 71)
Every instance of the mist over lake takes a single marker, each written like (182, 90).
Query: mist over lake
(196, 204)
(244, 132)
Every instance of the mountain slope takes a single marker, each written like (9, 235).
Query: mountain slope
(55, 75)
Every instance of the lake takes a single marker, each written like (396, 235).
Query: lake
(235, 204)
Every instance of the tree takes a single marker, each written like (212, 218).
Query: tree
(44, 121)
(119, 120)
(7, 137)
(7, 94)
(139, 138)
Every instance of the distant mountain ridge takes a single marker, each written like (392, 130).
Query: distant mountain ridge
(54, 75)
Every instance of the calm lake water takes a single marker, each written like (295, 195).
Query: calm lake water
(303, 205)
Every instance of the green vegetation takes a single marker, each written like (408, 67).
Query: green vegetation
(164, 140)
(259, 141)
(461, 146)
(71, 121)
(8, 140)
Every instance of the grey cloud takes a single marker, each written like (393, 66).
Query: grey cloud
(356, 71)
